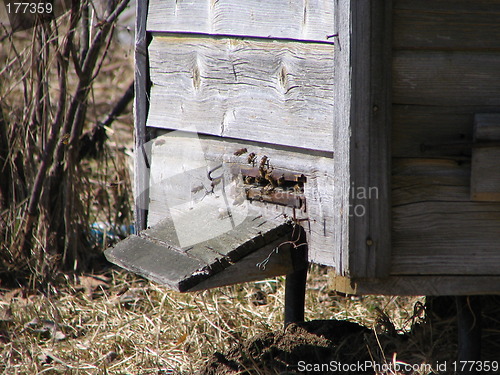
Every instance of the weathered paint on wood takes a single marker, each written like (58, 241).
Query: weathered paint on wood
(454, 78)
(485, 175)
(274, 92)
(153, 255)
(306, 19)
(317, 218)
(362, 136)
(418, 285)
(447, 24)
(436, 229)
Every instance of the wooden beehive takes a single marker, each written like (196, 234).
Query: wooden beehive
(379, 117)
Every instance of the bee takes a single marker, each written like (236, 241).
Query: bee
(249, 180)
(251, 158)
(263, 169)
(297, 189)
(264, 162)
(270, 179)
(260, 179)
(267, 189)
(240, 152)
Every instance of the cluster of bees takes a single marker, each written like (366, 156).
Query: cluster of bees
(265, 176)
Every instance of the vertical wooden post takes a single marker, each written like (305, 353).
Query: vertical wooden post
(362, 137)
(141, 103)
(295, 285)
(469, 330)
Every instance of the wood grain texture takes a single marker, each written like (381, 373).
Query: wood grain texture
(447, 24)
(434, 131)
(141, 90)
(446, 78)
(153, 255)
(170, 168)
(362, 118)
(304, 19)
(341, 135)
(437, 230)
(485, 169)
(418, 285)
(274, 92)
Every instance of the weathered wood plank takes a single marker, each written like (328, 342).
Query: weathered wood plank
(179, 165)
(447, 24)
(341, 135)
(153, 255)
(306, 20)
(446, 78)
(436, 229)
(485, 175)
(418, 285)
(247, 269)
(141, 90)
(434, 131)
(362, 133)
(275, 92)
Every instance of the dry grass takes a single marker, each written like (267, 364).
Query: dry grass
(121, 324)
(117, 323)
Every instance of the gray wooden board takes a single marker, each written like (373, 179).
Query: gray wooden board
(436, 228)
(447, 24)
(341, 134)
(152, 254)
(141, 176)
(204, 210)
(419, 285)
(362, 135)
(249, 268)
(485, 175)
(452, 78)
(434, 131)
(308, 20)
(277, 92)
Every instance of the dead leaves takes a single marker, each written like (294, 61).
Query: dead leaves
(92, 285)
(46, 329)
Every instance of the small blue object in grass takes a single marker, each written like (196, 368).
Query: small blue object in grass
(112, 233)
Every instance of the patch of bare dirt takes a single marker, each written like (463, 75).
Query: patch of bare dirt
(289, 351)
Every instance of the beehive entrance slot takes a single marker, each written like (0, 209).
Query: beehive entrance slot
(275, 186)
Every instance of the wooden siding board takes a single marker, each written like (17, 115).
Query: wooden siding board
(275, 92)
(363, 80)
(447, 24)
(436, 229)
(310, 20)
(440, 78)
(419, 285)
(434, 131)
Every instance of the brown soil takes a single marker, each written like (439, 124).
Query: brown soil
(313, 342)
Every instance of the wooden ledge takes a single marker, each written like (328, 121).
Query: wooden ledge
(227, 259)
